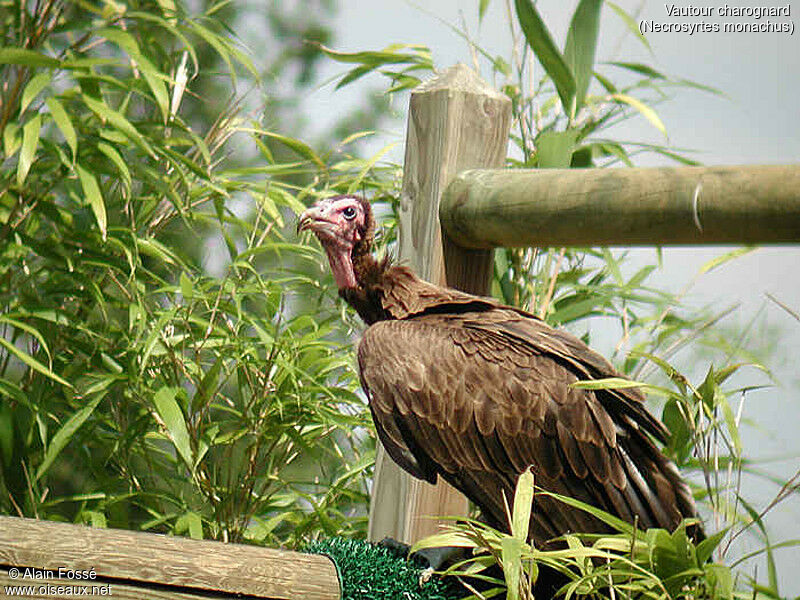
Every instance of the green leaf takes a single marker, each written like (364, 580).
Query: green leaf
(724, 258)
(155, 80)
(28, 58)
(706, 548)
(630, 23)
(154, 336)
(730, 421)
(581, 45)
(639, 68)
(297, 146)
(608, 383)
(680, 434)
(32, 362)
(375, 59)
(118, 120)
(63, 123)
(192, 523)
(546, 51)
(482, 6)
(64, 435)
(523, 503)
(356, 183)
(218, 44)
(11, 139)
(30, 330)
(720, 580)
(119, 163)
(554, 148)
(6, 432)
(30, 140)
(34, 87)
(94, 197)
(511, 556)
(207, 386)
(613, 266)
(647, 112)
(172, 418)
(185, 285)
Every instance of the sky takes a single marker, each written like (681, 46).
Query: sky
(757, 121)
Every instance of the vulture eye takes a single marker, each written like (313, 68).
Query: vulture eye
(349, 213)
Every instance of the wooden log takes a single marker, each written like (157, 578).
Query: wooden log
(62, 589)
(178, 568)
(455, 122)
(639, 206)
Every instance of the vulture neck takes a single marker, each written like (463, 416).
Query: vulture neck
(362, 282)
(384, 291)
(342, 268)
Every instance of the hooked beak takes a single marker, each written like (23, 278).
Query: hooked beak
(305, 220)
(314, 219)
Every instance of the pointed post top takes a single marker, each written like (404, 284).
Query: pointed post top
(459, 78)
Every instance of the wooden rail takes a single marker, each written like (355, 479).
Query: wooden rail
(134, 565)
(638, 206)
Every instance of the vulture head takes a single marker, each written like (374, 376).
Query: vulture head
(345, 227)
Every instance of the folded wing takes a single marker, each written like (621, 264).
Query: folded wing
(481, 393)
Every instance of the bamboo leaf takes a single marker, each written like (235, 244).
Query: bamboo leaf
(368, 166)
(30, 330)
(218, 44)
(608, 383)
(208, 386)
(482, 6)
(118, 120)
(192, 523)
(724, 258)
(185, 285)
(34, 87)
(65, 434)
(28, 58)
(579, 50)
(12, 140)
(119, 163)
(155, 79)
(174, 422)
(523, 503)
(375, 59)
(30, 141)
(63, 123)
(730, 421)
(630, 23)
(554, 148)
(647, 112)
(639, 68)
(297, 146)
(546, 51)
(613, 266)
(94, 197)
(511, 557)
(615, 522)
(32, 362)
(706, 548)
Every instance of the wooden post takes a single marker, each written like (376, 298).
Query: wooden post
(456, 121)
(131, 565)
(660, 206)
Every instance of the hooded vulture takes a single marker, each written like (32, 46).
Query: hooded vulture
(465, 388)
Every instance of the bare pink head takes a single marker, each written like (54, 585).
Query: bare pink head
(343, 224)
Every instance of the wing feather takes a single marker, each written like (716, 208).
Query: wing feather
(480, 396)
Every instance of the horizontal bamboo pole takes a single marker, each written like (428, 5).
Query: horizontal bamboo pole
(487, 208)
(32, 552)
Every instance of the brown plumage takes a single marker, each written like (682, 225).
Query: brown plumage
(465, 388)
